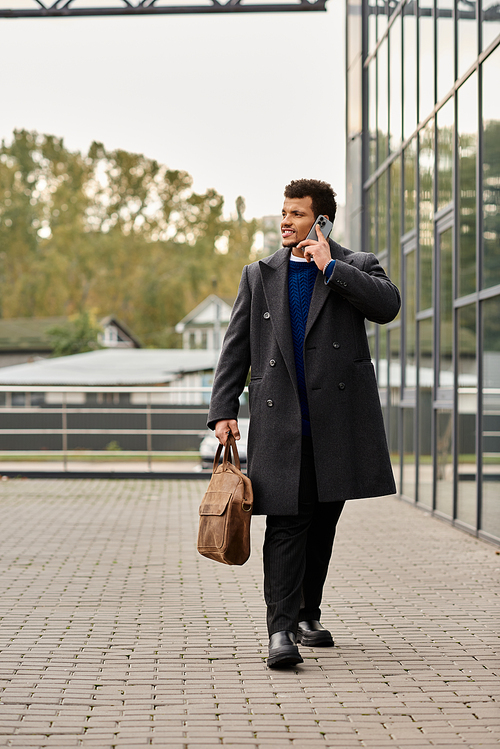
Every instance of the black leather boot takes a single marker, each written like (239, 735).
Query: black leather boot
(283, 652)
(313, 634)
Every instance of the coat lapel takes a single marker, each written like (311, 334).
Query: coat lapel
(274, 273)
(321, 290)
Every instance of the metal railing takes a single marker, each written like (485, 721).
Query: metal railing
(55, 421)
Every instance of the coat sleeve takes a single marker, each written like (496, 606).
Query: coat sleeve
(368, 289)
(234, 361)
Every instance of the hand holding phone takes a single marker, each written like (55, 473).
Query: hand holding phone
(315, 246)
(325, 226)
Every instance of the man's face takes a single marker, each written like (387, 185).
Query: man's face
(297, 219)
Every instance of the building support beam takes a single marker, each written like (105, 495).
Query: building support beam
(69, 8)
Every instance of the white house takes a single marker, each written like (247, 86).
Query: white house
(205, 325)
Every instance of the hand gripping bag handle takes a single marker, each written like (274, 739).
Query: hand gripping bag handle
(228, 448)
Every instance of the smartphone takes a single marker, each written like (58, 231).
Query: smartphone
(324, 224)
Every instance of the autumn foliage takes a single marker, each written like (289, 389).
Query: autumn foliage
(111, 232)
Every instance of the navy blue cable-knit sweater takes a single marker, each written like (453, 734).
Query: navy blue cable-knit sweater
(301, 280)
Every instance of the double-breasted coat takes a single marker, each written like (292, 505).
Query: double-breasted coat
(350, 448)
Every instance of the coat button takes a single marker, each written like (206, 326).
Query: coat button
(341, 385)
(266, 315)
(336, 344)
(272, 362)
(270, 402)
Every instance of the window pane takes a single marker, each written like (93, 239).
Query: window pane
(383, 370)
(445, 118)
(425, 411)
(353, 182)
(353, 30)
(382, 18)
(395, 382)
(409, 69)
(395, 220)
(466, 414)
(426, 58)
(408, 488)
(444, 460)
(426, 223)
(395, 85)
(445, 380)
(491, 417)
(491, 170)
(354, 224)
(382, 212)
(410, 332)
(490, 21)
(410, 192)
(372, 113)
(372, 201)
(18, 399)
(372, 27)
(370, 332)
(445, 47)
(354, 99)
(467, 35)
(382, 101)
(467, 155)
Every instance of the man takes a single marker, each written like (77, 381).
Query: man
(316, 436)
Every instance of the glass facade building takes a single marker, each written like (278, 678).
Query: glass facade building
(423, 194)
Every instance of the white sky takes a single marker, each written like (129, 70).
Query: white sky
(244, 103)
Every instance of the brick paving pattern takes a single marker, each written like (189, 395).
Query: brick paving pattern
(114, 632)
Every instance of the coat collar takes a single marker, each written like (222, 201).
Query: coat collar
(282, 256)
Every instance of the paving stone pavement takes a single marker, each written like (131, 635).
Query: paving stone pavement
(114, 632)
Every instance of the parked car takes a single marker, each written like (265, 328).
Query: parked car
(210, 443)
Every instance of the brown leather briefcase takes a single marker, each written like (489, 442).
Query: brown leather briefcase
(226, 510)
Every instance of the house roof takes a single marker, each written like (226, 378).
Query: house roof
(30, 333)
(123, 329)
(111, 367)
(205, 312)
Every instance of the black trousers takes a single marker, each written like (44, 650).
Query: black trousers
(297, 551)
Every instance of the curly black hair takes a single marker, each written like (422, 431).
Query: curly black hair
(321, 194)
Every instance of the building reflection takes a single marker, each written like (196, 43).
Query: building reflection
(423, 187)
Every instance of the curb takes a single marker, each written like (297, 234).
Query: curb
(105, 475)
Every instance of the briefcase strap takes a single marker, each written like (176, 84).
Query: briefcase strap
(230, 447)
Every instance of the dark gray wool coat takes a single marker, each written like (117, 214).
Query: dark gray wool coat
(350, 448)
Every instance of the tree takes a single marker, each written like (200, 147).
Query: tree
(79, 335)
(113, 232)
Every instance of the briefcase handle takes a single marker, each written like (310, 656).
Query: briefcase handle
(229, 447)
